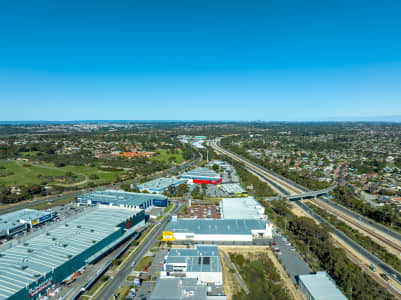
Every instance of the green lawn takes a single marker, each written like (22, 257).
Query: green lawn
(27, 154)
(97, 285)
(103, 175)
(143, 263)
(123, 292)
(23, 173)
(167, 157)
(26, 174)
(169, 208)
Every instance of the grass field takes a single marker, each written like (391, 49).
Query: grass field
(143, 263)
(167, 157)
(103, 175)
(26, 174)
(27, 154)
(22, 173)
(122, 292)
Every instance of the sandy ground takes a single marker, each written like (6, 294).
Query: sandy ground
(300, 213)
(252, 252)
(230, 283)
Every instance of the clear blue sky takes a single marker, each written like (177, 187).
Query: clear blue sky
(199, 60)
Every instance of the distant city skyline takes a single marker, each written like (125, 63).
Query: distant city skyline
(212, 60)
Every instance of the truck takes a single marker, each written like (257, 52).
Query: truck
(372, 267)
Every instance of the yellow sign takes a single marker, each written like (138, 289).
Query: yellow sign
(168, 236)
(36, 221)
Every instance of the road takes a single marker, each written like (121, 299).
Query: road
(356, 247)
(120, 277)
(28, 204)
(362, 219)
(350, 213)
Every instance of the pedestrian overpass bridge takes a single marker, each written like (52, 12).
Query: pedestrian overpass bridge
(311, 194)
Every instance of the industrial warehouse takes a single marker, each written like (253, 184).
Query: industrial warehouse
(115, 198)
(202, 175)
(181, 288)
(233, 189)
(40, 263)
(160, 185)
(22, 220)
(241, 208)
(217, 230)
(201, 262)
(319, 285)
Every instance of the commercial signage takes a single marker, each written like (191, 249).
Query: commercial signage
(36, 221)
(44, 218)
(44, 285)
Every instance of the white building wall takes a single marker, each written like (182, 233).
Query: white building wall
(213, 237)
(204, 277)
(207, 277)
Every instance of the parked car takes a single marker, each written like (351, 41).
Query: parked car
(384, 276)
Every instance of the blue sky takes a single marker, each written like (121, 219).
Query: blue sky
(199, 60)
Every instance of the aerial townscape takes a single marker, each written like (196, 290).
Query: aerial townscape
(269, 211)
(200, 150)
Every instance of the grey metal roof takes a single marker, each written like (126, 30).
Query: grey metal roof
(321, 286)
(13, 219)
(241, 208)
(118, 197)
(178, 289)
(232, 188)
(200, 173)
(22, 264)
(194, 258)
(216, 226)
(160, 184)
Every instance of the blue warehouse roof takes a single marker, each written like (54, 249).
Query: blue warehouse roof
(202, 258)
(216, 226)
(119, 197)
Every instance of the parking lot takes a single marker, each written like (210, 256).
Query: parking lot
(204, 211)
(289, 257)
(154, 272)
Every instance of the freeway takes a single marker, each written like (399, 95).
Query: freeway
(359, 249)
(120, 277)
(291, 184)
(50, 199)
(362, 219)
